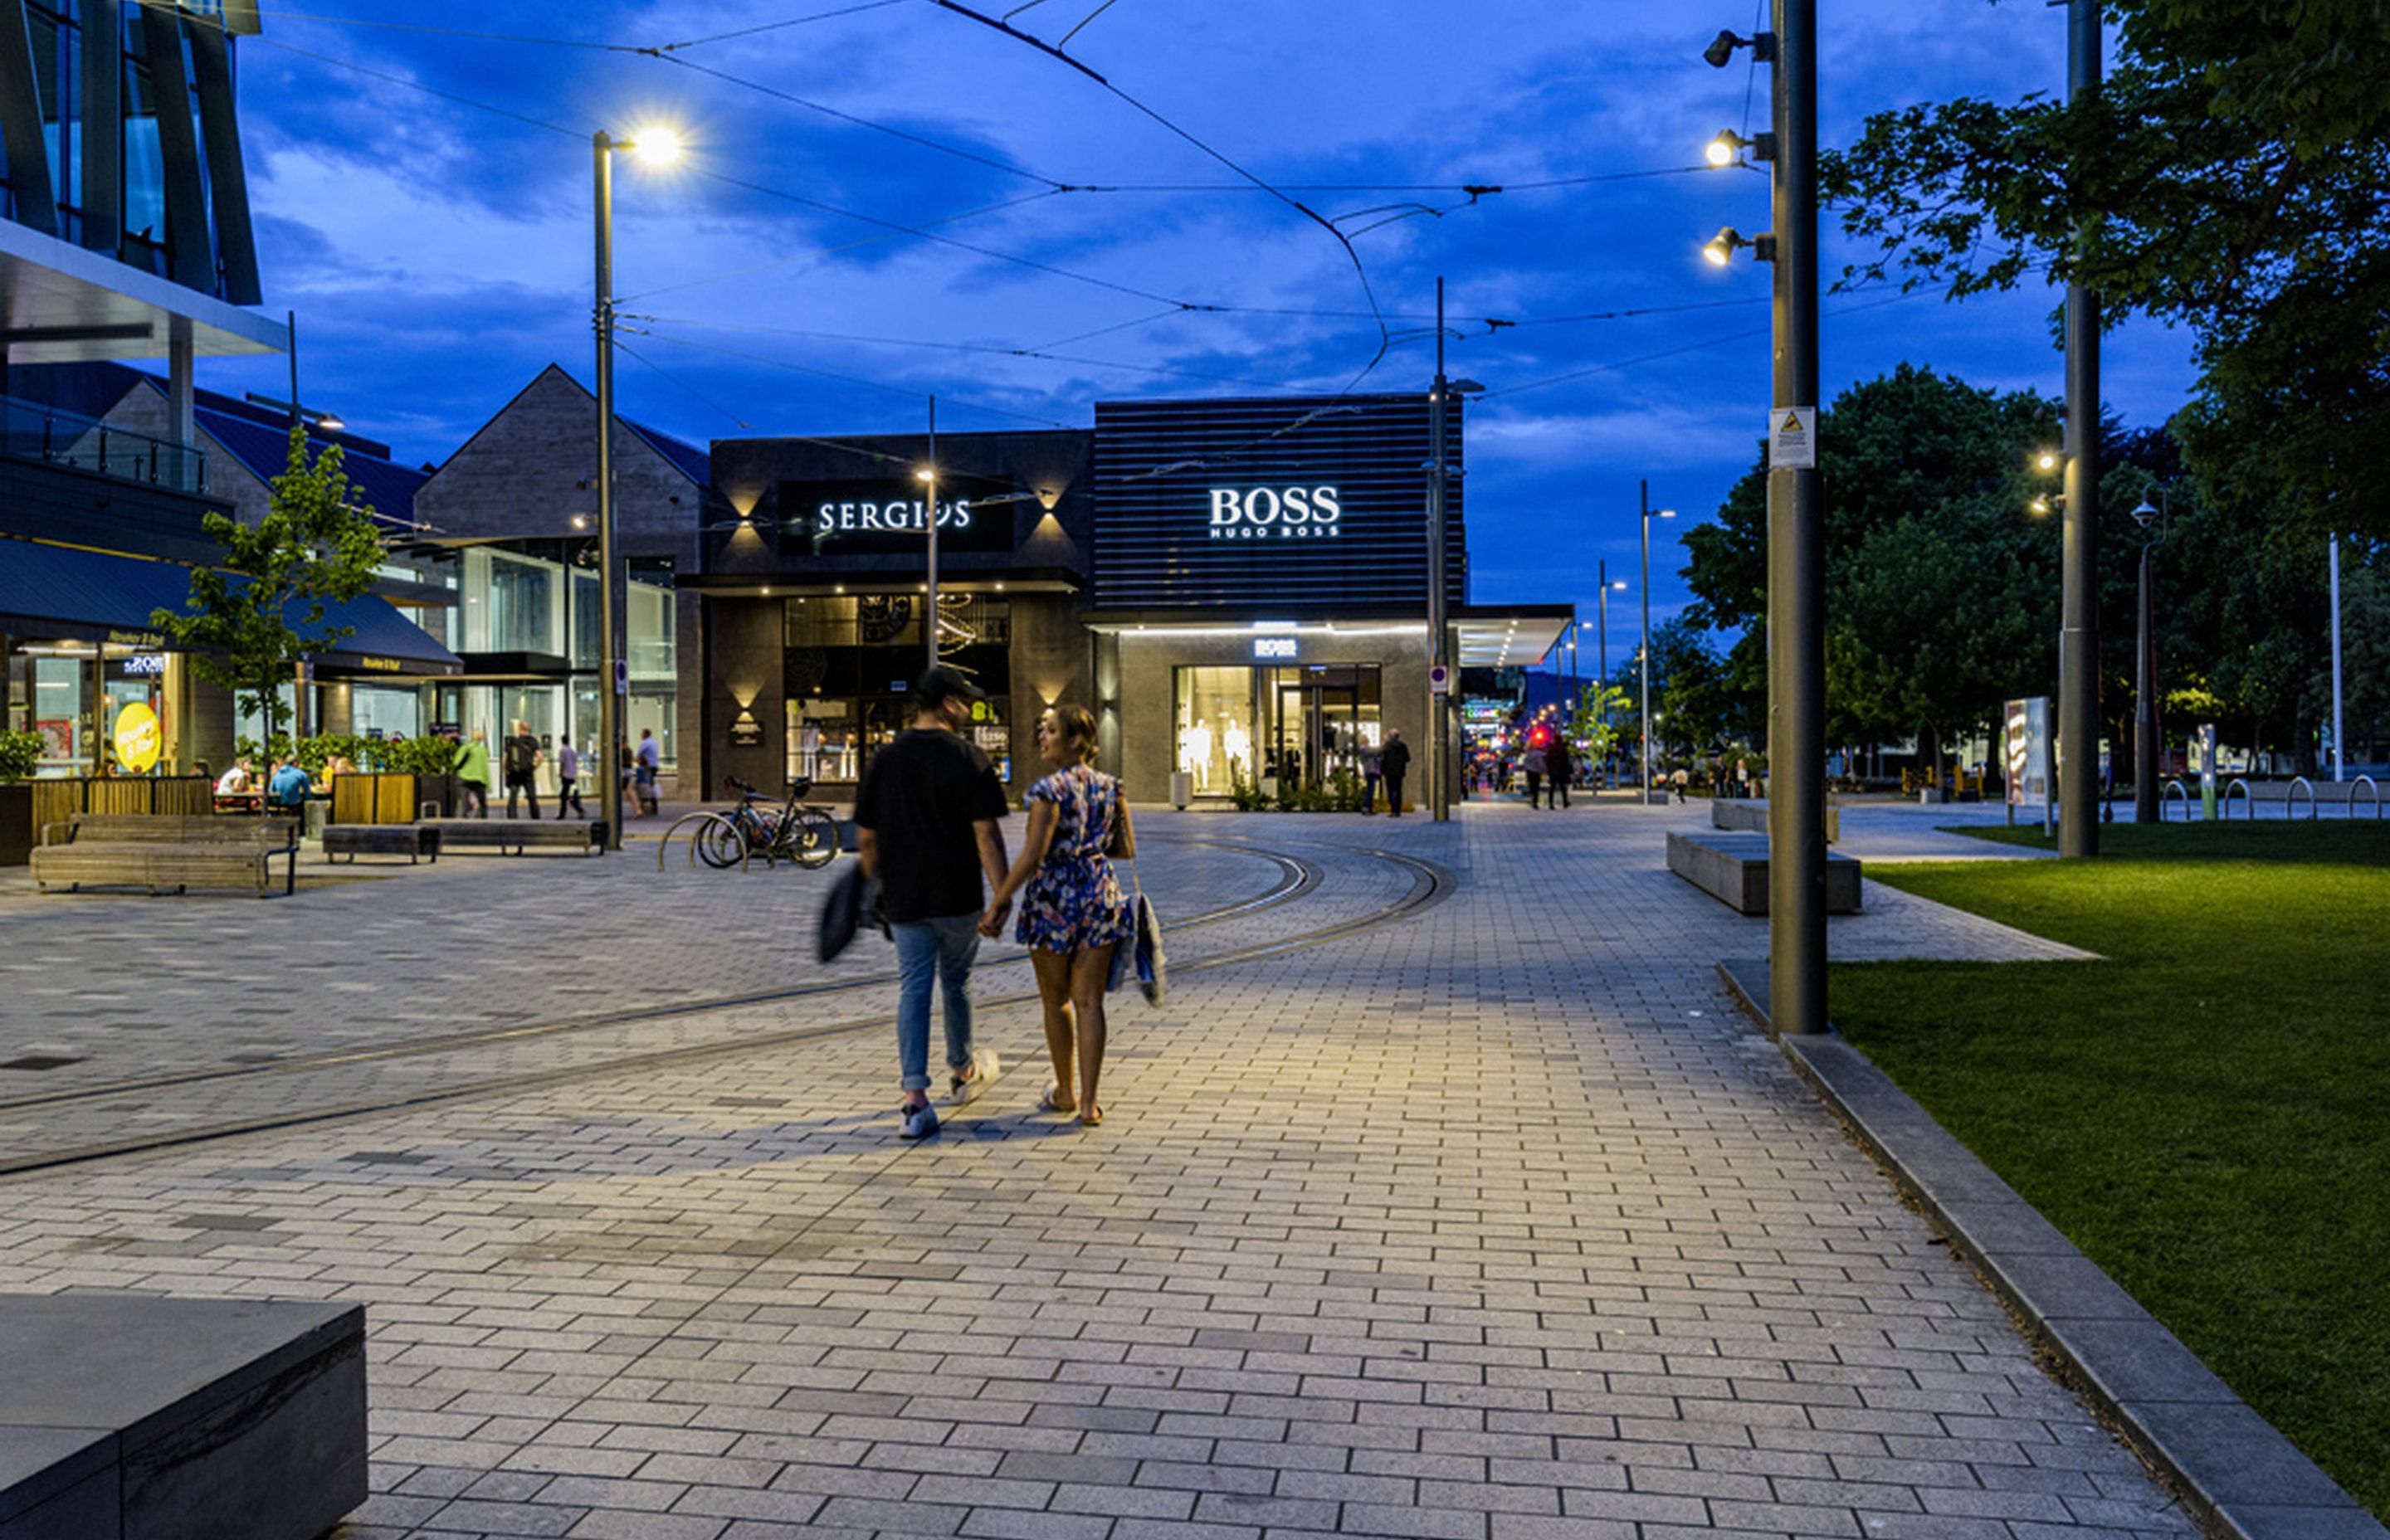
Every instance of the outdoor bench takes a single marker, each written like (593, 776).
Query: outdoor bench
(145, 1418)
(167, 850)
(412, 841)
(518, 834)
(1733, 869)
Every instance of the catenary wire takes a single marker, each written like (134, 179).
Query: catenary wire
(985, 349)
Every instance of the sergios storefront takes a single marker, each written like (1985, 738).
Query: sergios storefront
(1237, 588)
(817, 599)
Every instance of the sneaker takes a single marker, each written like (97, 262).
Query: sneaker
(919, 1122)
(986, 1067)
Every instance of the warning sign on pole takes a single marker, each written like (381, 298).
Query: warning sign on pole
(1792, 438)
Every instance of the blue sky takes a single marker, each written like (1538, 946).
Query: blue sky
(437, 252)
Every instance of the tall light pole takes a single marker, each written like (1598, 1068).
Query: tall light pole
(1602, 680)
(1439, 626)
(657, 147)
(2339, 754)
(1649, 513)
(1796, 635)
(2145, 667)
(2078, 641)
(929, 475)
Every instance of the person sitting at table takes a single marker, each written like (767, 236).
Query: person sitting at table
(237, 780)
(289, 791)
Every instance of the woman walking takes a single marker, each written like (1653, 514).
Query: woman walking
(1073, 916)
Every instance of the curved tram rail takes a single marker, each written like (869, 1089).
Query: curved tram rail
(1431, 884)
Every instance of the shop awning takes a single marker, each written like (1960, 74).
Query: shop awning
(76, 594)
(1510, 635)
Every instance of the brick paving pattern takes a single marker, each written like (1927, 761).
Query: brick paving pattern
(1493, 1223)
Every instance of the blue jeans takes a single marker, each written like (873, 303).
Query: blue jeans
(946, 948)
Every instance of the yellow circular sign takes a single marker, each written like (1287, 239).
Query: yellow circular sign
(139, 738)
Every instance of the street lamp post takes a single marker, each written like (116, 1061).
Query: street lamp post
(1602, 644)
(614, 684)
(2079, 649)
(2145, 669)
(929, 475)
(1649, 513)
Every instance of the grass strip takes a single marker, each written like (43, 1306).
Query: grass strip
(2206, 1112)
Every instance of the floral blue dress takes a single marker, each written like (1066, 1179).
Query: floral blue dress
(1074, 901)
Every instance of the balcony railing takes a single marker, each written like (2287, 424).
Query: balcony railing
(29, 430)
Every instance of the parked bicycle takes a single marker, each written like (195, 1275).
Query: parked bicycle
(801, 831)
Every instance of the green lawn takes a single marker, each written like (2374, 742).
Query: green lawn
(2208, 1112)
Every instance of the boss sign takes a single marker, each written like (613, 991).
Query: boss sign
(1275, 513)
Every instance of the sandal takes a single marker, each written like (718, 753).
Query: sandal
(1093, 1117)
(1052, 1101)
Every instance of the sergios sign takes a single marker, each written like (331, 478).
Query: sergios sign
(862, 516)
(1294, 512)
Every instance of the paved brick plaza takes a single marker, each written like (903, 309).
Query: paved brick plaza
(1489, 1223)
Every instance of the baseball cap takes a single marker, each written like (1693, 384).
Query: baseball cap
(942, 684)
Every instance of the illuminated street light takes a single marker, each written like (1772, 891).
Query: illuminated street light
(1727, 147)
(656, 146)
(1726, 242)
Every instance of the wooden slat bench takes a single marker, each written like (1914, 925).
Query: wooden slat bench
(518, 835)
(166, 850)
(412, 841)
(1733, 869)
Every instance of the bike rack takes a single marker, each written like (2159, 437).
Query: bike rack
(699, 817)
(2172, 789)
(2373, 788)
(2247, 801)
(2291, 795)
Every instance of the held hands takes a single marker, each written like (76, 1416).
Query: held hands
(991, 924)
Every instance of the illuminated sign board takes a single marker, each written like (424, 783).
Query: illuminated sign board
(1274, 646)
(1276, 513)
(886, 517)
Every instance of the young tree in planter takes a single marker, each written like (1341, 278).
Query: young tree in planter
(252, 618)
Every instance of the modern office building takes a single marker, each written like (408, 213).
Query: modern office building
(1237, 588)
(124, 235)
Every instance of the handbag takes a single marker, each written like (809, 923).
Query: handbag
(1152, 967)
(853, 903)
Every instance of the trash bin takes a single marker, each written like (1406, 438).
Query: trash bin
(1182, 790)
(313, 815)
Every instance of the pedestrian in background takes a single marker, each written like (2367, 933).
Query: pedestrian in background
(1533, 763)
(1557, 767)
(521, 760)
(647, 761)
(1372, 769)
(1073, 916)
(568, 780)
(1394, 768)
(928, 827)
(473, 777)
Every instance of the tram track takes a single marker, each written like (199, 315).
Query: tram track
(1429, 885)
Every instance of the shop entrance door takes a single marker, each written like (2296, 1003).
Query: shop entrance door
(1318, 720)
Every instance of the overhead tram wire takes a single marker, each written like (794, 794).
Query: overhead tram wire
(530, 40)
(1352, 254)
(847, 380)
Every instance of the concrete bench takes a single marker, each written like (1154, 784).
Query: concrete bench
(166, 850)
(1733, 869)
(1750, 817)
(412, 841)
(518, 834)
(135, 1417)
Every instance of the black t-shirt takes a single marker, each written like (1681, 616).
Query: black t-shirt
(919, 797)
(521, 754)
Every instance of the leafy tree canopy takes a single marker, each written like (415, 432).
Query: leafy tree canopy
(249, 619)
(2231, 176)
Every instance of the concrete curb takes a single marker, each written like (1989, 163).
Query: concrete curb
(2240, 1474)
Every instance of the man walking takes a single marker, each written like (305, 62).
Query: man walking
(647, 762)
(1557, 767)
(520, 759)
(928, 821)
(1394, 763)
(568, 780)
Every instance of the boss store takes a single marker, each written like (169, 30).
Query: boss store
(1261, 578)
(816, 600)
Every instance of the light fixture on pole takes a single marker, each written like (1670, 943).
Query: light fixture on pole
(1796, 635)
(1721, 248)
(1649, 513)
(1727, 147)
(2145, 665)
(657, 147)
(1601, 681)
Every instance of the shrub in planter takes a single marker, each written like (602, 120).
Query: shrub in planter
(19, 752)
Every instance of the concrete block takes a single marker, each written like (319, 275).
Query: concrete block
(1733, 869)
(213, 1417)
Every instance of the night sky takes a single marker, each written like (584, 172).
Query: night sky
(424, 206)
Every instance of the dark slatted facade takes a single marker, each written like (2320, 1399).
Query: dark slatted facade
(1219, 504)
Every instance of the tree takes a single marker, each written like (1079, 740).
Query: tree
(2228, 176)
(249, 619)
(1596, 717)
(1941, 591)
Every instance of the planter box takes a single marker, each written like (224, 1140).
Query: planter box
(15, 823)
(390, 798)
